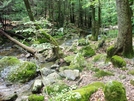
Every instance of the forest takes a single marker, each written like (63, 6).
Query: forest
(66, 50)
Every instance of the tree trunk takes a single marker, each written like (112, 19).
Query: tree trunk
(30, 50)
(124, 39)
(28, 7)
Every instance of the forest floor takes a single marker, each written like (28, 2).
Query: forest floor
(123, 76)
(87, 75)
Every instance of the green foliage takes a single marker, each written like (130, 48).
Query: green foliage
(115, 91)
(101, 73)
(82, 42)
(112, 33)
(56, 88)
(34, 97)
(118, 61)
(99, 57)
(81, 94)
(87, 51)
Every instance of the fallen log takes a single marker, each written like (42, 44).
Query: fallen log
(29, 49)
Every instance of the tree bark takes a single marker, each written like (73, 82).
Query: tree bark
(124, 39)
(28, 7)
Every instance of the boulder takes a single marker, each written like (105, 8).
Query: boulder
(46, 71)
(70, 74)
(51, 78)
(115, 91)
(37, 86)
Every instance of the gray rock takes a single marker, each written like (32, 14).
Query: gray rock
(7, 97)
(51, 78)
(70, 74)
(22, 98)
(37, 86)
(46, 71)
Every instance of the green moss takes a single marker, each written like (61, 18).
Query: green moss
(87, 51)
(102, 73)
(110, 51)
(131, 72)
(23, 73)
(81, 94)
(117, 61)
(35, 97)
(9, 61)
(115, 91)
(82, 42)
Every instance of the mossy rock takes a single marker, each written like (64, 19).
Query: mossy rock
(35, 97)
(87, 51)
(115, 91)
(118, 61)
(110, 51)
(76, 61)
(9, 61)
(102, 73)
(81, 94)
(82, 42)
(23, 73)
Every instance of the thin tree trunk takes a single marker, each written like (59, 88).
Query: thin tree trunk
(28, 7)
(30, 50)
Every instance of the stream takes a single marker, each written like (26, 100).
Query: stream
(10, 49)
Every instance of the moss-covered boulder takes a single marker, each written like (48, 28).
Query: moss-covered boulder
(23, 73)
(118, 61)
(69, 58)
(81, 94)
(9, 61)
(16, 70)
(35, 97)
(76, 61)
(115, 91)
(87, 51)
(110, 51)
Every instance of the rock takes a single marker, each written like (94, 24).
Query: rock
(115, 90)
(22, 98)
(37, 86)
(9, 97)
(70, 74)
(55, 66)
(16, 70)
(87, 51)
(51, 78)
(46, 71)
(118, 61)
